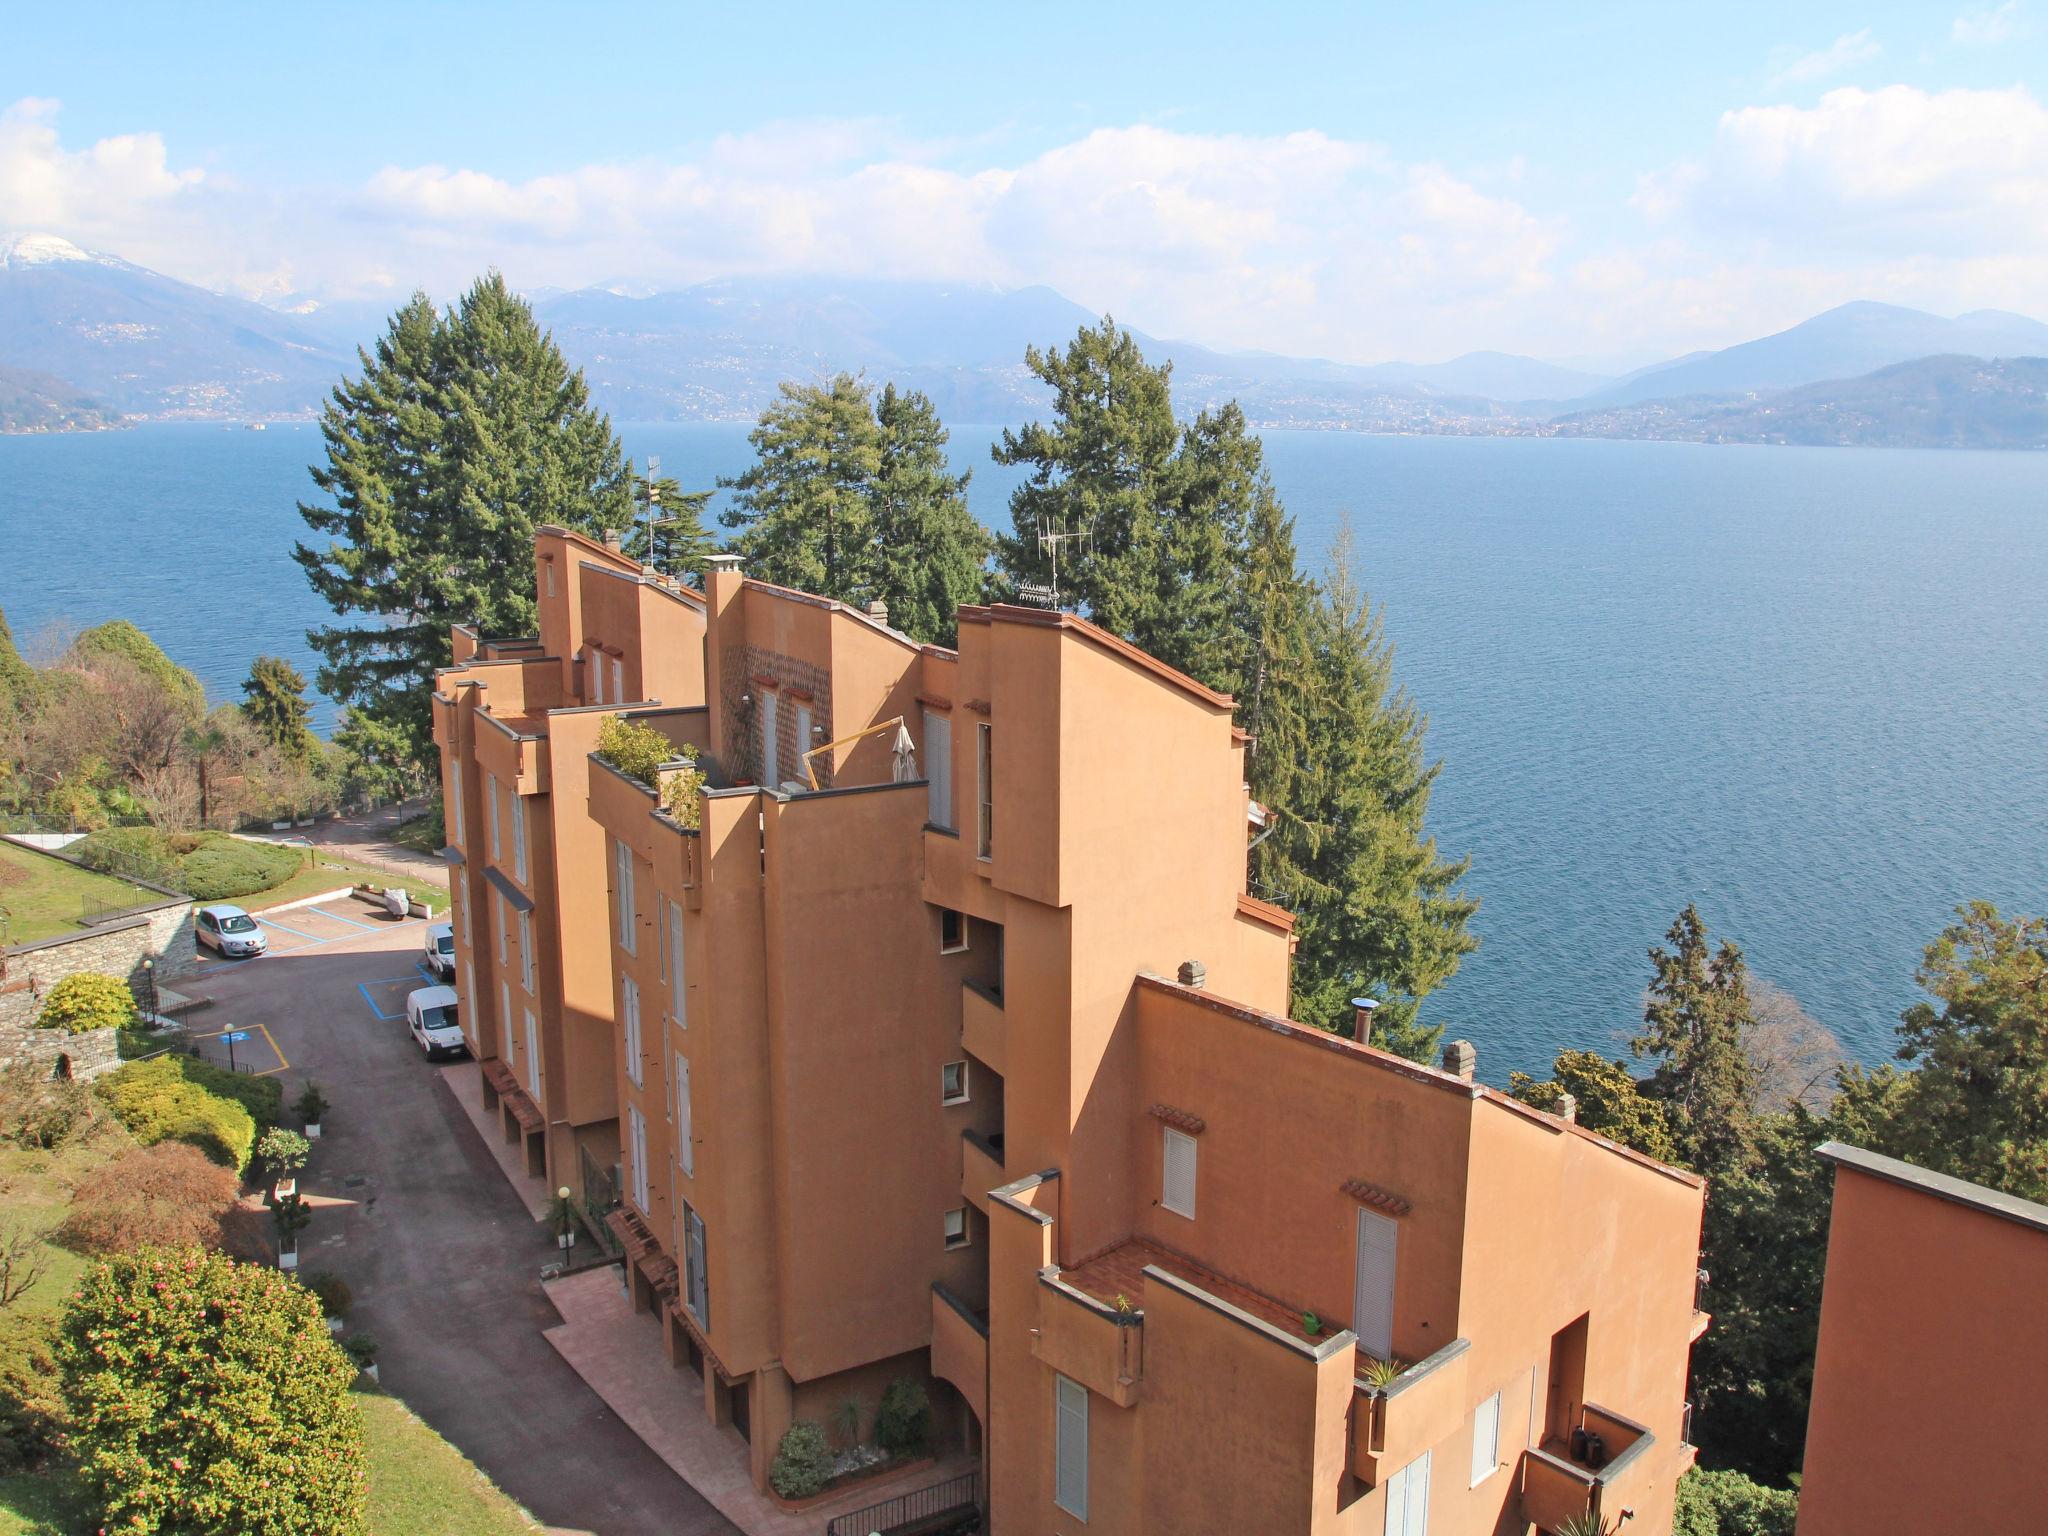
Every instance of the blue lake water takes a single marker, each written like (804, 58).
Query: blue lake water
(1805, 688)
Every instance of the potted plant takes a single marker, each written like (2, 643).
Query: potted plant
(290, 1216)
(335, 1296)
(562, 1217)
(284, 1153)
(362, 1348)
(311, 1105)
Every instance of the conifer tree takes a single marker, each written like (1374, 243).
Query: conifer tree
(929, 552)
(850, 497)
(803, 509)
(1103, 468)
(274, 702)
(1694, 1018)
(462, 433)
(1378, 912)
(678, 543)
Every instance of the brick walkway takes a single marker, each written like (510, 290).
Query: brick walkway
(618, 1354)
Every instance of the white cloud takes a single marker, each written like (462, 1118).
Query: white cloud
(1986, 25)
(43, 184)
(1849, 51)
(1892, 172)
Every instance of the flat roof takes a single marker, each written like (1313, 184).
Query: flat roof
(1941, 1186)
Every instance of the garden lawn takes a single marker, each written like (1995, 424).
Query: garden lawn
(327, 873)
(420, 1485)
(44, 896)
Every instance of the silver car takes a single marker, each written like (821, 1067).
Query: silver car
(229, 930)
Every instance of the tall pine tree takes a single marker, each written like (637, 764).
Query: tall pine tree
(850, 496)
(463, 432)
(1694, 1019)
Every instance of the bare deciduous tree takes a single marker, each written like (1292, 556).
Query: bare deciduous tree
(23, 1261)
(1795, 1055)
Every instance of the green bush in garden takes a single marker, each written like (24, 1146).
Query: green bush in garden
(206, 1396)
(636, 750)
(803, 1461)
(180, 1098)
(87, 1001)
(1726, 1503)
(904, 1425)
(223, 867)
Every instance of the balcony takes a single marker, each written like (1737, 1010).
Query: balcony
(1393, 1424)
(960, 1348)
(1560, 1482)
(984, 1028)
(981, 1167)
(1100, 1344)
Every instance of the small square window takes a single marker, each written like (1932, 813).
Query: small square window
(953, 1083)
(956, 1228)
(952, 931)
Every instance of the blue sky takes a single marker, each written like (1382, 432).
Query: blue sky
(1362, 181)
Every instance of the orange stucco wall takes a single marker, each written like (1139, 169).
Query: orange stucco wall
(1933, 1342)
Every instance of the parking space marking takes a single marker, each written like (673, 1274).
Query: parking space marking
(268, 1037)
(352, 922)
(384, 981)
(271, 922)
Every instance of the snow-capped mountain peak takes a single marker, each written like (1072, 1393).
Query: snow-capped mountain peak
(39, 250)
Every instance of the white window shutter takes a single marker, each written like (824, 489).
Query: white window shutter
(1178, 1195)
(1373, 1309)
(678, 1004)
(1070, 1451)
(1485, 1439)
(686, 1151)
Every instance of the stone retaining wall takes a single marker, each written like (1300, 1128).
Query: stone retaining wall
(115, 946)
(58, 1053)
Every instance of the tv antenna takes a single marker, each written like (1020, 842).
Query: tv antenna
(1050, 541)
(653, 501)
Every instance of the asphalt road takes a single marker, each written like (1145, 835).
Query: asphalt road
(442, 1256)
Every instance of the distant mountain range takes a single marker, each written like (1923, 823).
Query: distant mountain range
(84, 336)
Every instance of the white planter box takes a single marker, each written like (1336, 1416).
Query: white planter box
(288, 1260)
(370, 1370)
(334, 1325)
(313, 1130)
(284, 1189)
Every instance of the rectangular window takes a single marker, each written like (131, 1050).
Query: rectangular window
(455, 798)
(955, 1228)
(472, 1007)
(771, 739)
(1070, 1447)
(505, 1017)
(938, 768)
(686, 1148)
(678, 997)
(629, 991)
(548, 570)
(593, 673)
(952, 931)
(661, 936)
(628, 911)
(491, 794)
(526, 966)
(803, 738)
(533, 1055)
(953, 1083)
(618, 680)
(1408, 1499)
(1486, 1440)
(498, 906)
(519, 838)
(696, 1276)
(636, 1128)
(1178, 1187)
(461, 899)
(1372, 1313)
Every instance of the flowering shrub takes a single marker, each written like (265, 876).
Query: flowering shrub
(207, 1396)
(87, 1001)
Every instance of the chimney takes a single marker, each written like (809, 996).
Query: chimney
(1361, 1019)
(1460, 1059)
(878, 611)
(611, 538)
(722, 564)
(1567, 1107)
(1193, 973)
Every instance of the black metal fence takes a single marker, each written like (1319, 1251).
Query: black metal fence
(600, 1199)
(927, 1509)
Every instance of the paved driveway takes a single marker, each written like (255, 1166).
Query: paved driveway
(443, 1258)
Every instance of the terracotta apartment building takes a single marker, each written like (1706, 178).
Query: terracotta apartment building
(938, 1036)
(1939, 1283)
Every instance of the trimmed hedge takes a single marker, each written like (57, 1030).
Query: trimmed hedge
(208, 866)
(181, 1098)
(81, 1003)
(206, 1396)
